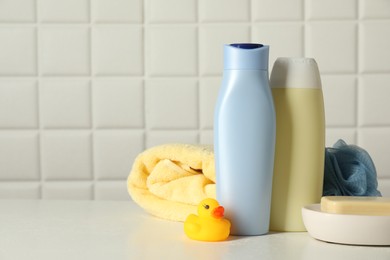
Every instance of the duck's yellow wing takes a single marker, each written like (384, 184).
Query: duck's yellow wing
(191, 225)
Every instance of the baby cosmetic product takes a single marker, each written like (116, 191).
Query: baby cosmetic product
(300, 141)
(244, 134)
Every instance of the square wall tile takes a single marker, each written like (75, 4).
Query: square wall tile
(224, 10)
(64, 50)
(376, 141)
(18, 104)
(170, 11)
(207, 137)
(172, 50)
(349, 135)
(65, 103)
(66, 155)
(374, 93)
(19, 158)
(111, 190)
(331, 9)
(117, 11)
(384, 187)
(172, 104)
(117, 50)
(276, 10)
(118, 103)
(374, 54)
(155, 138)
(115, 151)
(18, 51)
(374, 9)
(67, 191)
(285, 39)
(212, 39)
(20, 190)
(17, 10)
(333, 45)
(63, 11)
(340, 93)
(208, 94)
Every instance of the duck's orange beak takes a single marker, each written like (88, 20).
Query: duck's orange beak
(218, 212)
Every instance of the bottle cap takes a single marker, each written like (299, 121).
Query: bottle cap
(246, 56)
(295, 73)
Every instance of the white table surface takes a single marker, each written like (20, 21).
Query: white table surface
(36, 229)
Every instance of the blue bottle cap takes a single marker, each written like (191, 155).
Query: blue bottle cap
(246, 56)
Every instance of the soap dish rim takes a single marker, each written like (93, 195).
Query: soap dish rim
(344, 228)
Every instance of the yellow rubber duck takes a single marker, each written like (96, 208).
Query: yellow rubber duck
(210, 224)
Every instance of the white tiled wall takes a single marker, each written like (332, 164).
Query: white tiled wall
(85, 85)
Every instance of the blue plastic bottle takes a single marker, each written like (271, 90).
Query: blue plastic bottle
(244, 134)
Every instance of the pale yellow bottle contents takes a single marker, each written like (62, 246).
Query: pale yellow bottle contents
(299, 155)
(372, 206)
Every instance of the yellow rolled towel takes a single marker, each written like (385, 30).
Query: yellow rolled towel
(170, 180)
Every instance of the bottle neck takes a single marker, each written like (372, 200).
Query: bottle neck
(260, 74)
(238, 78)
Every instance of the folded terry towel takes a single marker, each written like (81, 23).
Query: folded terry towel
(169, 180)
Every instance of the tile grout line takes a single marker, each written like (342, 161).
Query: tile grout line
(91, 91)
(145, 5)
(252, 29)
(358, 78)
(198, 83)
(304, 20)
(39, 102)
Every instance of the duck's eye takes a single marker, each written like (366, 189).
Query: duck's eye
(206, 206)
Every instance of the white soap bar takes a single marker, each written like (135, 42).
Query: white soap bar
(372, 206)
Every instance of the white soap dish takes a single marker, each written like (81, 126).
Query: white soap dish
(346, 229)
